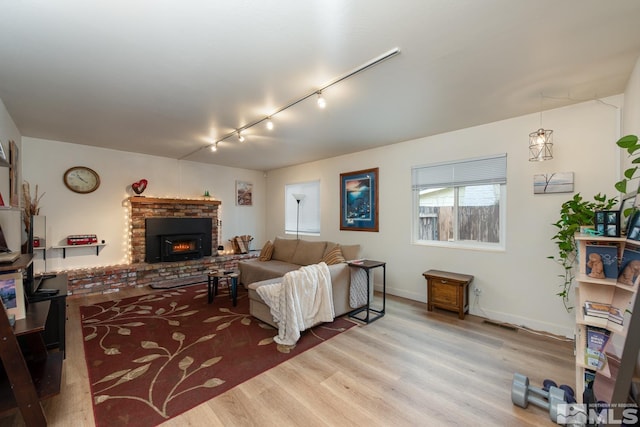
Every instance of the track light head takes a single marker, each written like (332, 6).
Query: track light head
(321, 101)
(214, 147)
(269, 123)
(240, 136)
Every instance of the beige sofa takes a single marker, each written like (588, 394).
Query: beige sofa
(289, 255)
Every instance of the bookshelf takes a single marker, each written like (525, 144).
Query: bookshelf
(612, 304)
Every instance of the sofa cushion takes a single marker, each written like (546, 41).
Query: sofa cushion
(267, 251)
(308, 253)
(334, 256)
(350, 251)
(283, 249)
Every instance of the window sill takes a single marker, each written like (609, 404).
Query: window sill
(473, 246)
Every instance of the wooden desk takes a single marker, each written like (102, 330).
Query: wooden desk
(30, 373)
(449, 291)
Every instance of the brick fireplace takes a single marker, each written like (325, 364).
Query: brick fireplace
(137, 272)
(148, 207)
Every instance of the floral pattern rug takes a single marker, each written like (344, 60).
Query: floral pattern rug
(153, 357)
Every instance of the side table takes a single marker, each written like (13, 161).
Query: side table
(368, 265)
(213, 278)
(449, 291)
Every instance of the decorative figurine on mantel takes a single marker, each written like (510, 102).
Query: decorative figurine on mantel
(596, 266)
(139, 187)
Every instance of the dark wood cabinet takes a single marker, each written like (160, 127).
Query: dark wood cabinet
(449, 291)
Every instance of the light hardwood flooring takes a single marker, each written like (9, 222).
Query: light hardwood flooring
(410, 368)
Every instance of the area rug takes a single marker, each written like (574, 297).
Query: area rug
(153, 357)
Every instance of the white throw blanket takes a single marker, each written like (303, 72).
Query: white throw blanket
(303, 299)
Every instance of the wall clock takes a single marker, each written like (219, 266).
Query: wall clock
(81, 179)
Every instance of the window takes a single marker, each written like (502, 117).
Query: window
(307, 219)
(461, 203)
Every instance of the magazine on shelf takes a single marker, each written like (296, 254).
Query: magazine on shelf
(596, 309)
(12, 294)
(608, 255)
(597, 339)
(629, 265)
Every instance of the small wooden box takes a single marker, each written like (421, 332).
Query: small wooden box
(449, 291)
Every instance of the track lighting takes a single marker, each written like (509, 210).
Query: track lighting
(321, 101)
(214, 147)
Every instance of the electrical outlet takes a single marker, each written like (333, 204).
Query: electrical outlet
(477, 291)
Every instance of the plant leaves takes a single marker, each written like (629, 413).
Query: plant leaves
(185, 363)
(213, 382)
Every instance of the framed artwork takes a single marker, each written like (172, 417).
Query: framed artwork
(244, 193)
(12, 294)
(557, 182)
(608, 223)
(14, 175)
(627, 209)
(633, 230)
(359, 200)
(3, 157)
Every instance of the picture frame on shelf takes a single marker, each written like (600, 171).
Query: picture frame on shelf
(359, 200)
(608, 223)
(12, 294)
(627, 209)
(633, 229)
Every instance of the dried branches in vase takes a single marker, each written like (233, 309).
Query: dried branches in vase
(30, 205)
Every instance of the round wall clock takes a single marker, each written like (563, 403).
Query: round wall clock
(81, 179)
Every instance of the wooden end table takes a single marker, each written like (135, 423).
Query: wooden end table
(449, 291)
(213, 278)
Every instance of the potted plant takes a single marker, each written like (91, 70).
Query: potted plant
(574, 214)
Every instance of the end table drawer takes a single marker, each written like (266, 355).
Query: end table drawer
(443, 293)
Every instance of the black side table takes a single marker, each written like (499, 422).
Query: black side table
(368, 265)
(214, 277)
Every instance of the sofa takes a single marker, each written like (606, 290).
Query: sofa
(284, 255)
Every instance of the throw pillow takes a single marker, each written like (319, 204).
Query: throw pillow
(266, 252)
(334, 256)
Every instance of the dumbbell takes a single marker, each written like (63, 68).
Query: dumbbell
(569, 394)
(522, 394)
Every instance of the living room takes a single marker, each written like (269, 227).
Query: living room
(518, 284)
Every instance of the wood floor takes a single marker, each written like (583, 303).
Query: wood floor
(409, 368)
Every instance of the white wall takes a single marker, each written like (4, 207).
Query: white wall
(631, 109)
(519, 284)
(102, 212)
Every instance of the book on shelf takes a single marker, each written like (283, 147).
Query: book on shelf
(616, 315)
(597, 339)
(596, 309)
(629, 270)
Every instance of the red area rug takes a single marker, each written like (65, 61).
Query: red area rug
(153, 357)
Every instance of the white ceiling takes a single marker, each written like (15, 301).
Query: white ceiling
(167, 77)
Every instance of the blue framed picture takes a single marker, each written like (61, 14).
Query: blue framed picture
(359, 200)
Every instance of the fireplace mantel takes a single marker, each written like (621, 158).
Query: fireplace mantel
(152, 200)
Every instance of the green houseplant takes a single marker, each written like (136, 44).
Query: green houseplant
(574, 213)
(629, 143)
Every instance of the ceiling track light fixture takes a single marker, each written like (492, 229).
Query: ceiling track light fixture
(322, 103)
(317, 92)
(214, 147)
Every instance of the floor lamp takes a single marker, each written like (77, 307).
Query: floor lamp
(299, 197)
